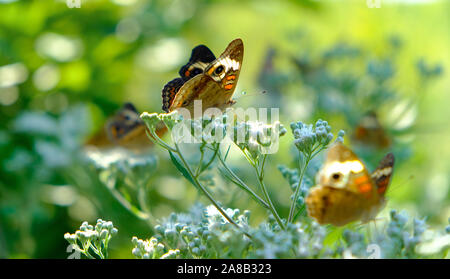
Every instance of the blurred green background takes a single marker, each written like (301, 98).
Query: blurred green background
(64, 70)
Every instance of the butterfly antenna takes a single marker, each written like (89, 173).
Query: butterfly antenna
(397, 186)
(244, 94)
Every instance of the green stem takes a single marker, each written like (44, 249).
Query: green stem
(87, 254)
(199, 167)
(97, 251)
(211, 160)
(205, 192)
(241, 184)
(136, 212)
(299, 212)
(317, 152)
(297, 190)
(142, 199)
(157, 140)
(249, 158)
(85, 250)
(260, 175)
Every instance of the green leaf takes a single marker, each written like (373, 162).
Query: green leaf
(181, 168)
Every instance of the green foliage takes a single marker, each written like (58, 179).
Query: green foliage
(64, 71)
(204, 233)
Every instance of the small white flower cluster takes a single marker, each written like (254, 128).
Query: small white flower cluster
(204, 233)
(152, 249)
(208, 130)
(258, 137)
(254, 136)
(201, 233)
(152, 120)
(298, 240)
(214, 218)
(92, 239)
(397, 242)
(308, 138)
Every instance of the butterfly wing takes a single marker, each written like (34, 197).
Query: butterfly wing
(345, 191)
(329, 205)
(124, 123)
(383, 173)
(225, 70)
(201, 57)
(369, 131)
(169, 92)
(125, 129)
(216, 85)
(343, 169)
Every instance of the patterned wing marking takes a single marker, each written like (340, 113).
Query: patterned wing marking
(383, 173)
(169, 92)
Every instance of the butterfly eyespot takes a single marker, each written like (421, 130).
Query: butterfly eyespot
(336, 176)
(219, 70)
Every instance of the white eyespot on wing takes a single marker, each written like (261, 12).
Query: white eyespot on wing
(229, 64)
(224, 63)
(342, 168)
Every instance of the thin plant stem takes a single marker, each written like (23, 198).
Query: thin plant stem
(157, 140)
(142, 199)
(199, 167)
(211, 160)
(176, 150)
(241, 184)
(97, 251)
(297, 190)
(317, 152)
(85, 252)
(205, 192)
(260, 176)
(136, 212)
(299, 212)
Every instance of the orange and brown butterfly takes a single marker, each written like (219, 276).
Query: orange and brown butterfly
(206, 78)
(345, 191)
(125, 129)
(370, 132)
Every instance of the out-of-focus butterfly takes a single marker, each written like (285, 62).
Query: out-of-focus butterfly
(205, 78)
(370, 132)
(345, 191)
(125, 129)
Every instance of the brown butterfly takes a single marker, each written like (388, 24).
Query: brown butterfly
(346, 192)
(125, 129)
(205, 78)
(370, 132)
